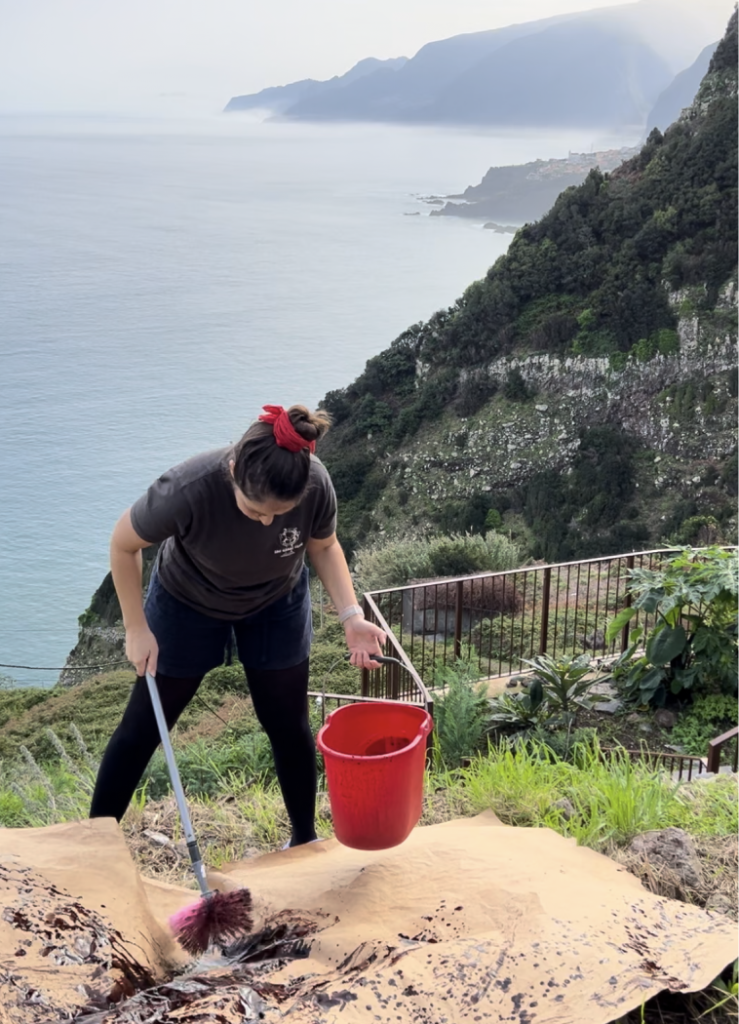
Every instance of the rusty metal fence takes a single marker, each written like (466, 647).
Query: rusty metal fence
(717, 746)
(681, 767)
(497, 620)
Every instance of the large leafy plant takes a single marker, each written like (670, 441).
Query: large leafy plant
(517, 711)
(558, 687)
(567, 683)
(693, 641)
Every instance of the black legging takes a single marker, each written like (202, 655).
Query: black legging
(280, 698)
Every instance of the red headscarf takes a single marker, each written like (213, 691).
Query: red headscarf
(286, 435)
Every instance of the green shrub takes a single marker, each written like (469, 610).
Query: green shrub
(475, 390)
(493, 520)
(94, 706)
(392, 563)
(709, 716)
(515, 388)
(694, 529)
(580, 514)
(206, 767)
(12, 810)
(459, 713)
(14, 701)
(730, 474)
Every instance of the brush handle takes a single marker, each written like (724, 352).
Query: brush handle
(179, 793)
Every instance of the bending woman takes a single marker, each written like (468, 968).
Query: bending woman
(236, 525)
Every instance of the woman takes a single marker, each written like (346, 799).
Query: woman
(236, 525)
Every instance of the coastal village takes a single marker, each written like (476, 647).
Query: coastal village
(581, 163)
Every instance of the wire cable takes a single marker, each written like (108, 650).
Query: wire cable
(70, 668)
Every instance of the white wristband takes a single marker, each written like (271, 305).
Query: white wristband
(352, 609)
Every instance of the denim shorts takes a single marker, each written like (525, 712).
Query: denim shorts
(191, 644)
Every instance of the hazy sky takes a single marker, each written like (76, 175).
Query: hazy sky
(185, 56)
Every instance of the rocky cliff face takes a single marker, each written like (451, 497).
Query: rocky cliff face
(678, 411)
(101, 638)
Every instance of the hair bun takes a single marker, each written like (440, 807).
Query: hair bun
(310, 425)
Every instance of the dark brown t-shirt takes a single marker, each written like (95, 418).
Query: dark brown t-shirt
(214, 558)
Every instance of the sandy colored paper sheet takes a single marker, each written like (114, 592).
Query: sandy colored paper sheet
(72, 907)
(476, 921)
(466, 921)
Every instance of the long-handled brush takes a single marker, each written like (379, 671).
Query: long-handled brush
(218, 917)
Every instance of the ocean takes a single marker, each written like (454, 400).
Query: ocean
(161, 280)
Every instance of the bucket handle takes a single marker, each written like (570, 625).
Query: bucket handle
(384, 659)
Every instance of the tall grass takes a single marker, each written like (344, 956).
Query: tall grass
(607, 801)
(36, 795)
(611, 799)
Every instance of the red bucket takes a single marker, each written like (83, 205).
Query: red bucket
(375, 755)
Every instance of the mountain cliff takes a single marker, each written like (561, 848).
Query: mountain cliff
(282, 97)
(602, 68)
(585, 389)
(681, 91)
(524, 192)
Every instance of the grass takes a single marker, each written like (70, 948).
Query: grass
(601, 803)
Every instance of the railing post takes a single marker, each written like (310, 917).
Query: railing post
(364, 685)
(625, 630)
(459, 596)
(547, 586)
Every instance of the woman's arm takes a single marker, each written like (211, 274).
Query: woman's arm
(126, 569)
(363, 638)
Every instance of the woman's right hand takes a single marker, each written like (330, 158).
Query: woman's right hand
(142, 649)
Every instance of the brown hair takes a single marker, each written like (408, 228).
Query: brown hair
(264, 471)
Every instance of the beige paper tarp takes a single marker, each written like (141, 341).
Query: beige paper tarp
(476, 921)
(74, 919)
(466, 921)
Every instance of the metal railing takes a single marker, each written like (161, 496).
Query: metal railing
(684, 766)
(498, 620)
(716, 746)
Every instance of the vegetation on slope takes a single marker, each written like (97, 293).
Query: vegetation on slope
(593, 278)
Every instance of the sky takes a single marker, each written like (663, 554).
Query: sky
(190, 56)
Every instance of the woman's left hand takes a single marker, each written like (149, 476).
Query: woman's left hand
(363, 640)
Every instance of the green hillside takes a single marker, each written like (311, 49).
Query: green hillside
(585, 389)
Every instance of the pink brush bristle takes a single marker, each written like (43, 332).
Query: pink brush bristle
(220, 917)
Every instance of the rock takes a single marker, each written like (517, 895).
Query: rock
(645, 728)
(665, 719)
(720, 903)
(566, 808)
(511, 684)
(608, 707)
(596, 640)
(672, 848)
